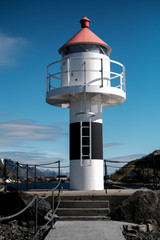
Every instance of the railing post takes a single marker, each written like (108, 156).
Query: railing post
(101, 72)
(35, 173)
(46, 79)
(27, 176)
(59, 168)
(124, 80)
(49, 82)
(105, 165)
(121, 84)
(4, 173)
(52, 208)
(17, 173)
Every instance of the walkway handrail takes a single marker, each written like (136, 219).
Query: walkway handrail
(37, 231)
(50, 77)
(34, 200)
(18, 213)
(27, 167)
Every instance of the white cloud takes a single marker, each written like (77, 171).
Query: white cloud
(10, 48)
(19, 131)
(31, 157)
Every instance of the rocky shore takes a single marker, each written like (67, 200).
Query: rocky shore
(147, 231)
(142, 210)
(16, 230)
(23, 226)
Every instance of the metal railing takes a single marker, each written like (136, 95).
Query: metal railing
(56, 75)
(35, 202)
(53, 211)
(27, 167)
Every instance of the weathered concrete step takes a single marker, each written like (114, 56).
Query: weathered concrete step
(83, 197)
(84, 204)
(83, 211)
(81, 218)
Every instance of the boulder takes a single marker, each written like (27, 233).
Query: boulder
(13, 202)
(139, 232)
(139, 207)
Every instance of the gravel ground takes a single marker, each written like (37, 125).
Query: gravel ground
(19, 230)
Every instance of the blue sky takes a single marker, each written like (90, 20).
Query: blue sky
(31, 32)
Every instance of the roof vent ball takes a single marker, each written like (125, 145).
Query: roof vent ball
(85, 22)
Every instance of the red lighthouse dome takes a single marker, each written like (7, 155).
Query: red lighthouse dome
(86, 36)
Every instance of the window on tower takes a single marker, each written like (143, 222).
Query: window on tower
(85, 48)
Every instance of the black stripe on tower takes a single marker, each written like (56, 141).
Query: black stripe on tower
(96, 140)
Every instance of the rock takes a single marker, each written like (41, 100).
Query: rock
(140, 206)
(149, 227)
(142, 228)
(131, 236)
(13, 202)
(23, 226)
(129, 227)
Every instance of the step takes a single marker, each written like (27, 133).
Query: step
(83, 211)
(84, 204)
(81, 218)
(84, 197)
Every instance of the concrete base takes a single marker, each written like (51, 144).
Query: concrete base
(87, 175)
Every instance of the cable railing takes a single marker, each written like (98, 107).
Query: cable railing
(148, 175)
(133, 174)
(34, 203)
(27, 167)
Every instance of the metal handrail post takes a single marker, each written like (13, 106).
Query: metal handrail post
(35, 176)
(105, 165)
(27, 176)
(101, 72)
(17, 173)
(5, 174)
(46, 79)
(124, 79)
(52, 208)
(59, 168)
(121, 83)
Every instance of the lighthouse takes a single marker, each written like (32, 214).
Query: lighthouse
(85, 80)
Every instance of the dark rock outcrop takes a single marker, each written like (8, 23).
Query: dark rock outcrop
(13, 202)
(14, 230)
(22, 226)
(147, 230)
(140, 206)
(143, 209)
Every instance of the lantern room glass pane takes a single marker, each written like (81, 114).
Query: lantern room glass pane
(84, 48)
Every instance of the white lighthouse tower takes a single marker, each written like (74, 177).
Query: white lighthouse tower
(85, 82)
